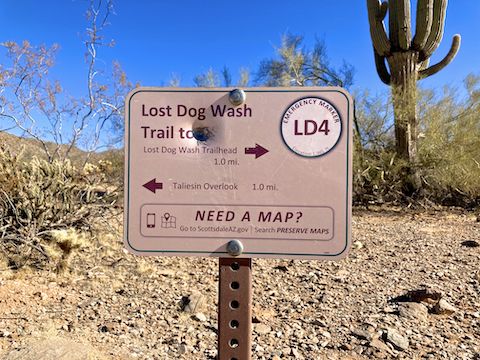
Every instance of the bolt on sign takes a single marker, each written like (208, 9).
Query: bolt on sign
(271, 168)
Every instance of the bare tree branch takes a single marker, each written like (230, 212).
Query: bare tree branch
(39, 107)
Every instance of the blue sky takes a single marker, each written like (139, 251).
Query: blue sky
(157, 38)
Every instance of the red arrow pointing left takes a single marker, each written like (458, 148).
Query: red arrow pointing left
(153, 186)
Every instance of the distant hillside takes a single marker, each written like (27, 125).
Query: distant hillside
(32, 147)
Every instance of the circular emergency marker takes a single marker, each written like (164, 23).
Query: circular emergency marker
(311, 127)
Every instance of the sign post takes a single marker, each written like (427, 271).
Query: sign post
(237, 174)
(235, 309)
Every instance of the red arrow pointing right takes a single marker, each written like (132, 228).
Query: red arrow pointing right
(258, 151)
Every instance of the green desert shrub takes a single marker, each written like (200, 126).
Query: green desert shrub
(45, 208)
(448, 150)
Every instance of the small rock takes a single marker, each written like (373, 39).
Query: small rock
(359, 349)
(281, 268)
(258, 349)
(423, 295)
(358, 245)
(326, 334)
(324, 343)
(319, 323)
(41, 295)
(443, 308)
(166, 272)
(342, 273)
(380, 345)
(389, 310)
(103, 328)
(414, 311)
(5, 334)
(262, 329)
(470, 243)
(362, 334)
(182, 348)
(193, 303)
(200, 317)
(398, 341)
(295, 353)
(211, 354)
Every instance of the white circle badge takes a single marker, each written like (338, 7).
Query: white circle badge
(311, 127)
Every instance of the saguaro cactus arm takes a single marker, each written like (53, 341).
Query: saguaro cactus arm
(436, 32)
(382, 69)
(400, 24)
(376, 14)
(446, 60)
(424, 64)
(424, 23)
(383, 10)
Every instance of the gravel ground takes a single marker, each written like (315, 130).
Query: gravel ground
(363, 307)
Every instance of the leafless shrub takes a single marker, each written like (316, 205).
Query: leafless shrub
(38, 106)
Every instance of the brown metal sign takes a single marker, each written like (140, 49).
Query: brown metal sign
(272, 171)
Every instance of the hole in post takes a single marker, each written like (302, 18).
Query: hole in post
(234, 324)
(233, 359)
(233, 343)
(234, 304)
(235, 266)
(235, 285)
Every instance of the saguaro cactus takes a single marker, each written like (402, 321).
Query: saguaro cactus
(401, 61)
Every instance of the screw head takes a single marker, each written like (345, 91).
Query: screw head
(235, 248)
(237, 97)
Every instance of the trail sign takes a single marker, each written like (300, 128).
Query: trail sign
(273, 172)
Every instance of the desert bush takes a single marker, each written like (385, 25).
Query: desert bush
(46, 208)
(448, 150)
(379, 178)
(379, 175)
(112, 165)
(373, 122)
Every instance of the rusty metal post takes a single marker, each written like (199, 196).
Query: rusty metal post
(235, 309)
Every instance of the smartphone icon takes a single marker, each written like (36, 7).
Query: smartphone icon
(150, 220)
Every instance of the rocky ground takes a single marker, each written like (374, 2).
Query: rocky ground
(410, 289)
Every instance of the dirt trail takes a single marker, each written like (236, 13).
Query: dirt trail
(128, 307)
